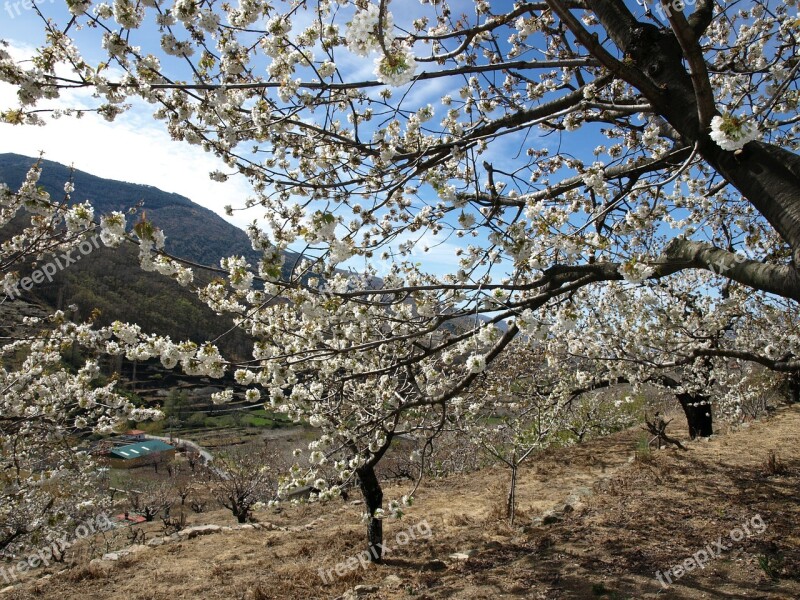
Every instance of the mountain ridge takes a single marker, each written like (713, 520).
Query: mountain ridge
(193, 232)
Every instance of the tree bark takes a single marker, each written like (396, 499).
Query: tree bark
(699, 418)
(794, 387)
(766, 175)
(511, 504)
(373, 498)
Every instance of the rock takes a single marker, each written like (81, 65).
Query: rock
(362, 590)
(112, 556)
(463, 555)
(551, 517)
(246, 526)
(567, 508)
(136, 548)
(5, 590)
(155, 542)
(356, 502)
(434, 565)
(392, 581)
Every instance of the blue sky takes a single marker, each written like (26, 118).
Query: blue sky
(136, 148)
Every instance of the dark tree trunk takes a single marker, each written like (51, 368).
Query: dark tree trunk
(794, 387)
(511, 502)
(767, 176)
(373, 498)
(699, 418)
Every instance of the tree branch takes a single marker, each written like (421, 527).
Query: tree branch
(782, 280)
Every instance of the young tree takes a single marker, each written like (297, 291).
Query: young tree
(675, 139)
(240, 478)
(150, 499)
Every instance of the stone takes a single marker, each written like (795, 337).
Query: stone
(392, 581)
(551, 517)
(155, 542)
(112, 556)
(362, 590)
(434, 565)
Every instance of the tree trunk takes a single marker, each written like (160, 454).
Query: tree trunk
(794, 387)
(767, 176)
(373, 498)
(511, 504)
(699, 417)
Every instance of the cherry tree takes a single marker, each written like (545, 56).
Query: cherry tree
(48, 480)
(242, 478)
(563, 146)
(699, 347)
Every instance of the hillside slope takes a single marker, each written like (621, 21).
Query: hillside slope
(628, 519)
(193, 232)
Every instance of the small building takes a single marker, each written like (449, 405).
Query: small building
(135, 434)
(140, 453)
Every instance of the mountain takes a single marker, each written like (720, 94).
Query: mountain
(109, 282)
(193, 232)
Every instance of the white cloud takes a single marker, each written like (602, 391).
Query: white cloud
(134, 148)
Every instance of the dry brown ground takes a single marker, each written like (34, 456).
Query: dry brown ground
(644, 516)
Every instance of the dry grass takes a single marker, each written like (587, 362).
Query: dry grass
(644, 516)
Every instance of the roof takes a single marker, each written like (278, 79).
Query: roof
(136, 432)
(140, 449)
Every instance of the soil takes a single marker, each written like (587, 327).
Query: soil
(632, 514)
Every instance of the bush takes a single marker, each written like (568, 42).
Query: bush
(197, 419)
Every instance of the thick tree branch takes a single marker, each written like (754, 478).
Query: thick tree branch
(686, 37)
(782, 280)
(701, 18)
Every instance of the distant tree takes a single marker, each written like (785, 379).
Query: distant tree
(240, 478)
(150, 499)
